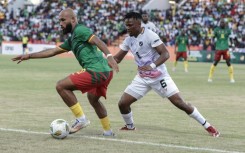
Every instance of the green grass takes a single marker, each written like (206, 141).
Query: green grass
(29, 101)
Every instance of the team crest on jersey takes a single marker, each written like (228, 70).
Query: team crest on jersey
(141, 43)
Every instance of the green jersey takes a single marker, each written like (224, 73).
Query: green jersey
(182, 42)
(222, 36)
(88, 56)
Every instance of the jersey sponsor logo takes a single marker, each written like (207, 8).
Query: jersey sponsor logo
(141, 43)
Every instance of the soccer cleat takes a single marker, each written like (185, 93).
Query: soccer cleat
(210, 80)
(232, 81)
(108, 133)
(212, 131)
(78, 125)
(125, 128)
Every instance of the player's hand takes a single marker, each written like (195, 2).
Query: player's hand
(112, 63)
(21, 58)
(145, 68)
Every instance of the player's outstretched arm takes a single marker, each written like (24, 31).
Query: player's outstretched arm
(120, 55)
(102, 46)
(42, 54)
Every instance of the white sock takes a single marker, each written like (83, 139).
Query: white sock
(82, 118)
(199, 118)
(108, 132)
(128, 118)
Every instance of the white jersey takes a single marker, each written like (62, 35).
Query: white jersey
(143, 50)
(149, 25)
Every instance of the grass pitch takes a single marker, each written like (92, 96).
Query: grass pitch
(29, 103)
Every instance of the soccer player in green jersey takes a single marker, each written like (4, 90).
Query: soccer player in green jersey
(221, 46)
(95, 76)
(183, 44)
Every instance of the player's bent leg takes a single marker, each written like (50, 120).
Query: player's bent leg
(177, 101)
(125, 109)
(194, 113)
(65, 89)
(97, 105)
(125, 101)
(101, 113)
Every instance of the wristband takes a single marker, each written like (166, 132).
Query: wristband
(108, 55)
(153, 65)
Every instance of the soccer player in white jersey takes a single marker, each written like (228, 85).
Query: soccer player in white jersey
(146, 23)
(150, 54)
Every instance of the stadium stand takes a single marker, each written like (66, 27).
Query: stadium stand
(198, 18)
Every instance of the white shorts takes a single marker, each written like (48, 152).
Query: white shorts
(163, 86)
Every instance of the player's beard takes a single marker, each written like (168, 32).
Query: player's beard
(67, 29)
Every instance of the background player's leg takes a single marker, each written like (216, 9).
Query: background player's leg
(211, 71)
(185, 64)
(231, 71)
(175, 63)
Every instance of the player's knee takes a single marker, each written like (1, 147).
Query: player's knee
(216, 63)
(59, 86)
(228, 62)
(122, 104)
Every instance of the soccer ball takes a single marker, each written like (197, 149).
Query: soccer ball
(59, 129)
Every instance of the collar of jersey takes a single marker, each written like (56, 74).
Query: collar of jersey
(142, 31)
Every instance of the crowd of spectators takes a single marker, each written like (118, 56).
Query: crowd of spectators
(41, 23)
(197, 18)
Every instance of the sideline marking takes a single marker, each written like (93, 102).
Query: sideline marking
(128, 141)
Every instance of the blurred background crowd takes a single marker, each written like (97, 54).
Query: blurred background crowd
(197, 18)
